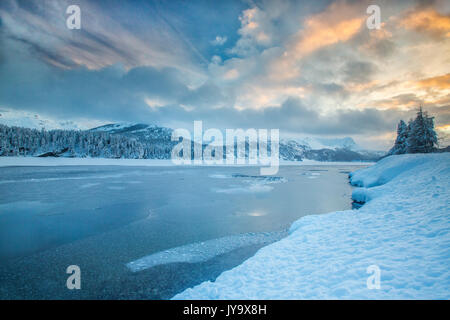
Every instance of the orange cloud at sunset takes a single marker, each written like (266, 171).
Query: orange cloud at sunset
(439, 82)
(319, 33)
(338, 23)
(429, 21)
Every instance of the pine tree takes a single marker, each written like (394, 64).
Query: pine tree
(418, 136)
(430, 138)
(422, 138)
(400, 145)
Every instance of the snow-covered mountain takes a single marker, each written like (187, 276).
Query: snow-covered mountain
(294, 149)
(325, 149)
(139, 140)
(24, 119)
(340, 143)
(140, 131)
(323, 143)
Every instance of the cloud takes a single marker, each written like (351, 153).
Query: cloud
(219, 41)
(320, 31)
(102, 40)
(358, 71)
(262, 26)
(439, 82)
(111, 92)
(302, 67)
(407, 100)
(294, 116)
(147, 94)
(252, 31)
(427, 20)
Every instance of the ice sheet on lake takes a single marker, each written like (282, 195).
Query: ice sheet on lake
(203, 251)
(123, 175)
(109, 176)
(219, 176)
(116, 188)
(250, 188)
(251, 184)
(16, 206)
(89, 185)
(312, 174)
(267, 179)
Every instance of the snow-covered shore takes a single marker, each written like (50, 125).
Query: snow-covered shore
(62, 161)
(403, 229)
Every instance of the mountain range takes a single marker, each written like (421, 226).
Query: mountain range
(155, 142)
(293, 149)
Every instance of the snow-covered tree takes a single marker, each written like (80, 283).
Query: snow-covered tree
(400, 145)
(416, 137)
(16, 141)
(421, 135)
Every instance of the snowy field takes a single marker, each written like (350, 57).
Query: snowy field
(403, 229)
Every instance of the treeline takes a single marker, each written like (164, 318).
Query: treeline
(17, 141)
(418, 136)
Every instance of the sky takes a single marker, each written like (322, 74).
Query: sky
(308, 68)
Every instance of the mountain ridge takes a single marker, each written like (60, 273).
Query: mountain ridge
(140, 140)
(296, 149)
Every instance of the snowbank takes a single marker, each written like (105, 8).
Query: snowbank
(403, 229)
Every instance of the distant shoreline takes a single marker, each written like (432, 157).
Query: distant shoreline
(61, 161)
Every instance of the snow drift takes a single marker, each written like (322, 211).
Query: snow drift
(403, 229)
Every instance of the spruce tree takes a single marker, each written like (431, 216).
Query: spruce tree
(400, 145)
(430, 136)
(421, 138)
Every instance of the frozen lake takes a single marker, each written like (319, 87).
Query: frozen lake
(116, 222)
